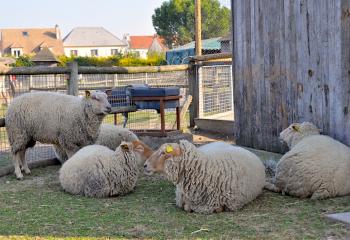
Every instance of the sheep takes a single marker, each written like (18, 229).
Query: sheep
(213, 178)
(110, 136)
(316, 166)
(97, 171)
(67, 121)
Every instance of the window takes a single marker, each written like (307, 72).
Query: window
(74, 52)
(94, 52)
(114, 51)
(25, 34)
(16, 53)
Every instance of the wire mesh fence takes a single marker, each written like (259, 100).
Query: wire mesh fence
(216, 92)
(15, 85)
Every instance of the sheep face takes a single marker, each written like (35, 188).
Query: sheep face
(297, 131)
(99, 102)
(156, 162)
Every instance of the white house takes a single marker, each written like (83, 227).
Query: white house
(143, 45)
(92, 41)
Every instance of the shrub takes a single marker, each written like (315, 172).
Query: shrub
(23, 61)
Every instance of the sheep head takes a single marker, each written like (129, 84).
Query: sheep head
(99, 102)
(156, 163)
(297, 131)
(142, 149)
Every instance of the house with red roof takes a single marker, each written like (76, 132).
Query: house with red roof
(142, 45)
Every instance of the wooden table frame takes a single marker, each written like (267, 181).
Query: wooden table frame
(162, 101)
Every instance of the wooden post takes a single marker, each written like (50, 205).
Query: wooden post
(193, 90)
(198, 24)
(73, 79)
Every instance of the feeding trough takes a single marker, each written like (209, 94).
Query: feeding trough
(140, 97)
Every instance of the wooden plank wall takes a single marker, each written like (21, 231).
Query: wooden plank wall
(291, 64)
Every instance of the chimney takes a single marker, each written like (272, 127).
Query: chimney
(126, 38)
(58, 32)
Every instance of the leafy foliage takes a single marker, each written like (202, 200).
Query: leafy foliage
(23, 61)
(174, 21)
(127, 60)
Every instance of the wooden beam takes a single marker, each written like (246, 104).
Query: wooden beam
(92, 70)
(211, 57)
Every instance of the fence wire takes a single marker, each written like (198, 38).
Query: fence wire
(216, 92)
(15, 85)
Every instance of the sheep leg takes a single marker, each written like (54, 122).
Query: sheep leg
(320, 194)
(219, 210)
(16, 163)
(24, 166)
(272, 187)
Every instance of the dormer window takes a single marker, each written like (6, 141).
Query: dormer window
(25, 34)
(16, 52)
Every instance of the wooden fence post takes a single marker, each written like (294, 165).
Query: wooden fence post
(73, 79)
(193, 90)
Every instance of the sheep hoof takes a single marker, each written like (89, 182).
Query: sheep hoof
(19, 176)
(319, 196)
(219, 210)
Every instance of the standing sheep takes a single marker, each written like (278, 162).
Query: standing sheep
(213, 178)
(97, 171)
(316, 166)
(110, 136)
(67, 121)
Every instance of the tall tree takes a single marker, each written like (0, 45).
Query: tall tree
(174, 21)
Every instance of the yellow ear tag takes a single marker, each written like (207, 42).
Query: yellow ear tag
(169, 149)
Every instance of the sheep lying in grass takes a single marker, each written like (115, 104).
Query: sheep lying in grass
(67, 121)
(213, 178)
(110, 136)
(316, 166)
(97, 171)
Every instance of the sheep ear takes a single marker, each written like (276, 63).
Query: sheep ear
(139, 148)
(296, 128)
(171, 151)
(87, 94)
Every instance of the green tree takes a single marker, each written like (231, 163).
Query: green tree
(174, 21)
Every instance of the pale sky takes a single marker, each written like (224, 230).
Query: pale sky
(117, 16)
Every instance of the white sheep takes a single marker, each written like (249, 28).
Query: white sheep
(110, 136)
(316, 166)
(97, 171)
(67, 121)
(213, 178)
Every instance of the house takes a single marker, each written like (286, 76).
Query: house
(92, 41)
(182, 54)
(45, 58)
(17, 42)
(143, 45)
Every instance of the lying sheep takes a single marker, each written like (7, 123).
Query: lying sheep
(213, 178)
(316, 166)
(97, 171)
(110, 136)
(67, 121)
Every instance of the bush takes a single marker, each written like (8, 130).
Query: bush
(124, 61)
(23, 61)
(91, 61)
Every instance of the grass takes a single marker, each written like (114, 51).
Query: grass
(38, 207)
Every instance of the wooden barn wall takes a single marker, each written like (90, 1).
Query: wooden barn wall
(291, 64)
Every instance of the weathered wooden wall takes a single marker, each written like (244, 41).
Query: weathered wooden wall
(291, 64)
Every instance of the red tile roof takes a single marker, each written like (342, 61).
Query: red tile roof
(144, 42)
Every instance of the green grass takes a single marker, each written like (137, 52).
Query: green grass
(37, 206)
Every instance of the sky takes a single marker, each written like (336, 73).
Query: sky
(117, 16)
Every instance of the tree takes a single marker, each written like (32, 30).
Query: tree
(174, 21)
